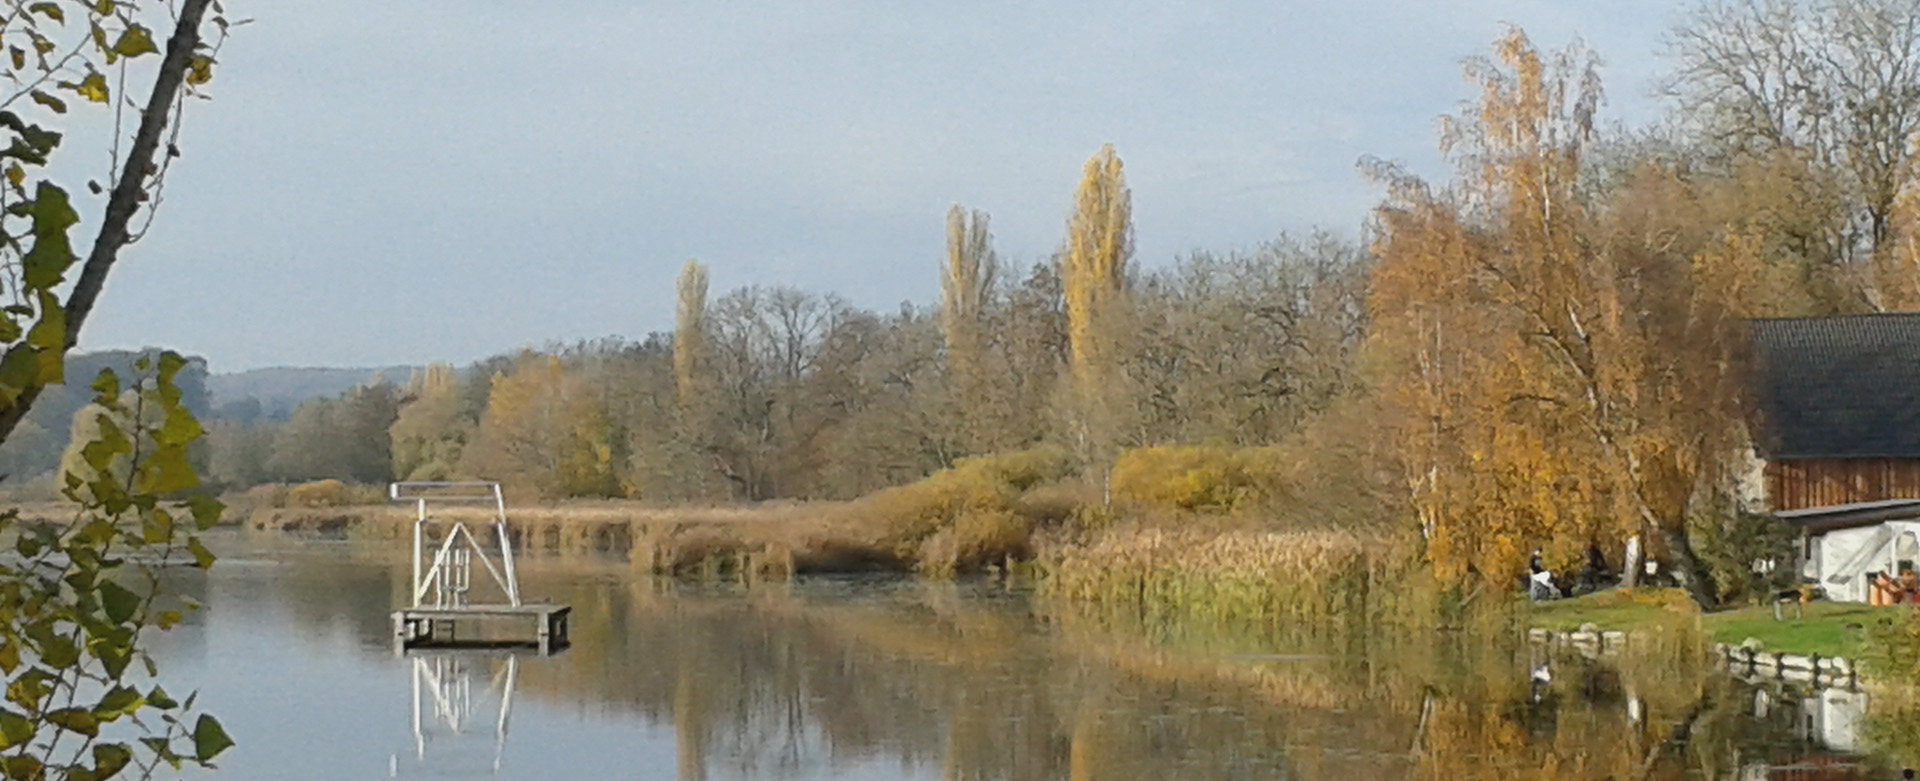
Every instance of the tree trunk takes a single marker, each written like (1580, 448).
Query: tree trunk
(1632, 563)
(1687, 568)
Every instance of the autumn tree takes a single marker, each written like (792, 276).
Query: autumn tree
(966, 290)
(546, 432)
(1094, 276)
(689, 332)
(431, 427)
(1566, 368)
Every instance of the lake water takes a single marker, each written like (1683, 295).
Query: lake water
(899, 679)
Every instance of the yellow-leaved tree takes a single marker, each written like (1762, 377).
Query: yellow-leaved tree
(1562, 365)
(1094, 277)
(545, 430)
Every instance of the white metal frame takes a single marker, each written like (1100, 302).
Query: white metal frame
(450, 574)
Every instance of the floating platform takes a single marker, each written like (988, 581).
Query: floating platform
(541, 627)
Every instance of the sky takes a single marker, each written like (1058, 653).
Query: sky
(380, 182)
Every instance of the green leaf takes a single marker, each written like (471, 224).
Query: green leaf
(199, 70)
(41, 97)
(110, 758)
(206, 511)
(180, 427)
(50, 11)
(119, 701)
(168, 471)
(23, 768)
(158, 698)
(49, 333)
(120, 603)
(18, 369)
(59, 652)
(106, 385)
(170, 365)
(46, 263)
(202, 557)
(209, 739)
(78, 720)
(28, 688)
(157, 529)
(15, 729)
(135, 42)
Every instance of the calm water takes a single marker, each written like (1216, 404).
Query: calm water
(889, 679)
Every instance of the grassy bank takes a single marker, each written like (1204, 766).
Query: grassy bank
(1824, 628)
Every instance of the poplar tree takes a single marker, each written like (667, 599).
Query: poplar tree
(966, 287)
(1094, 275)
(689, 331)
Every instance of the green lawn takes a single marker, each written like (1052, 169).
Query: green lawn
(1615, 609)
(1828, 628)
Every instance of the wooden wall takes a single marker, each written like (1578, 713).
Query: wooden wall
(1818, 482)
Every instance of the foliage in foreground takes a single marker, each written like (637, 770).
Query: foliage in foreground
(76, 597)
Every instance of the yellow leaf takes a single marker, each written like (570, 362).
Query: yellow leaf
(93, 87)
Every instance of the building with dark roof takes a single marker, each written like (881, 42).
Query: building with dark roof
(1838, 400)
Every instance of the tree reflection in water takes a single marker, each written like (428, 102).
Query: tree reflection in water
(975, 682)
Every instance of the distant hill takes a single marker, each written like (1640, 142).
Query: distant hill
(282, 388)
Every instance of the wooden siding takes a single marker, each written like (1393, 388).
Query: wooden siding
(1797, 484)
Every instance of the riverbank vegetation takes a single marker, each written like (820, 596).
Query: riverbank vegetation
(1539, 350)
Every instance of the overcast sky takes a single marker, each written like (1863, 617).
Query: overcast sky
(382, 181)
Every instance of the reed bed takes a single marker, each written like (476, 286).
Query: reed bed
(1332, 578)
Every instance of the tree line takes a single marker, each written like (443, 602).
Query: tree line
(1541, 350)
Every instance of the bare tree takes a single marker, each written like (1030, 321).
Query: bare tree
(1836, 82)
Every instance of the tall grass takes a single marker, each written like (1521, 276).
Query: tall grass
(1330, 578)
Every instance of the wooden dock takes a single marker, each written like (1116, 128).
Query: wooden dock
(542, 627)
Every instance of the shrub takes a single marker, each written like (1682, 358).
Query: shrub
(984, 494)
(1198, 478)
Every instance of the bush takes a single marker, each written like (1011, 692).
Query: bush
(1731, 543)
(1198, 478)
(977, 504)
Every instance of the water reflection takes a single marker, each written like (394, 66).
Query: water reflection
(882, 679)
(453, 695)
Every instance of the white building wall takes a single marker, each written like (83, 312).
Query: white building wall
(1842, 549)
(1836, 549)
